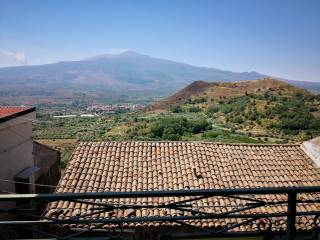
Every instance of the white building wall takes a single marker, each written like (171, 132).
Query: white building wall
(312, 149)
(16, 148)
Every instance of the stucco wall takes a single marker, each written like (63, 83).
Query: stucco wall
(16, 146)
(48, 160)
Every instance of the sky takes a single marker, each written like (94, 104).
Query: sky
(274, 37)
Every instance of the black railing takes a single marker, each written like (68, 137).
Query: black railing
(246, 216)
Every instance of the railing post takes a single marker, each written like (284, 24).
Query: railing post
(315, 231)
(291, 219)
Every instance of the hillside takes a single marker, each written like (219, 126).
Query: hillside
(266, 111)
(211, 92)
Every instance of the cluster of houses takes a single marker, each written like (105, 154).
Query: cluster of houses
(101, 109)
(151, 166)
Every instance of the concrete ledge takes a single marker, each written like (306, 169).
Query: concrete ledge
(312, 149)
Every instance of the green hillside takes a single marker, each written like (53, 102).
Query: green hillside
(265, 110)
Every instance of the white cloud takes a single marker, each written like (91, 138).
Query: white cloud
(18, 57)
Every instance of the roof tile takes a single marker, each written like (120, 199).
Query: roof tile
(141, 166)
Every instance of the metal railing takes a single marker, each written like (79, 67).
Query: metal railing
(26, 215)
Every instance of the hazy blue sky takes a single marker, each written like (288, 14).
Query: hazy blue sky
(278, 37)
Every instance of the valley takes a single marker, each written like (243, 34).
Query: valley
(265, 111)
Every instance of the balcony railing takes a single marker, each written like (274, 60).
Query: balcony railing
(25, 214)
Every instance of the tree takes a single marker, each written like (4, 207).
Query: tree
(213, 109)
(177, 109)
(199, 125)
(172, 128)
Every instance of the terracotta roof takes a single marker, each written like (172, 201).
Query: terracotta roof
(139, 166)
(8, 112)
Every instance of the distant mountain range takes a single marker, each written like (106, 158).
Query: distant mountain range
(111, 75)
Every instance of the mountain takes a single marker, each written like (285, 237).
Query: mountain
(211, 91)
(107, 75)
(124, 75)
(311, 86)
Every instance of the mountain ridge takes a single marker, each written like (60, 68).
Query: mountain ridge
(128, 74)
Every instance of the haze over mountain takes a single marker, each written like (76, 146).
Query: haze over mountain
(127, 73)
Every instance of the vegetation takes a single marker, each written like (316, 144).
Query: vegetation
(264, 114)
(82, 129)
(266, 110)
(277, 115)
(170, 128)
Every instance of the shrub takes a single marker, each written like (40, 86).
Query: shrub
(177, 109)
(238, 119)
(199, 125)
(214, 133)
(213, 109)
(194, 109)
(200, 100)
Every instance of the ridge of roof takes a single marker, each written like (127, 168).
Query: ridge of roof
(200, 142)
